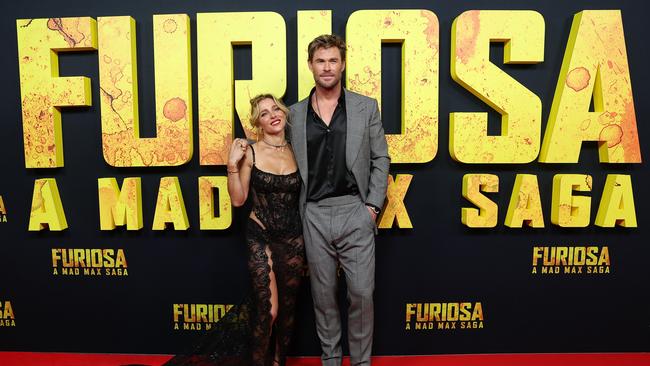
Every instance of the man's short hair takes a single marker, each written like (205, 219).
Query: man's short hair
(326, 41)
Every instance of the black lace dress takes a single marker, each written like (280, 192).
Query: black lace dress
(245, 335)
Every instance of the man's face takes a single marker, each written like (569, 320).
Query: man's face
(327, 67)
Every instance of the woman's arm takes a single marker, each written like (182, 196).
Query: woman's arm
(239, 167)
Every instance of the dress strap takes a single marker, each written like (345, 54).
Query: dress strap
(253, 150)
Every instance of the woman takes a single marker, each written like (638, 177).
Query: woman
(259, 330)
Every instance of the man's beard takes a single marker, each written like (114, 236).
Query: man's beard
(324, 85)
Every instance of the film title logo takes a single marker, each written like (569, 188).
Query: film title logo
(198, 316)
(3, 211)
(571, 260)
(7, 318)
(443, 316)
(89, 262)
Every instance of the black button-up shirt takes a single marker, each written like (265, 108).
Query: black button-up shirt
(328, 174)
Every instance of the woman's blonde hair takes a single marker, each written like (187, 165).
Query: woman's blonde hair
(255, 107)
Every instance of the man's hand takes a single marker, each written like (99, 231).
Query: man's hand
(372, 213)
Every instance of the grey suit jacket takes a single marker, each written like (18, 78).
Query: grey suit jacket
(366, 150)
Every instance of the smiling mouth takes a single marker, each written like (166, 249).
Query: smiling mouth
(275, 122)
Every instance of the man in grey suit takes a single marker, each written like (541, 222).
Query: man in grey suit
(341, 151)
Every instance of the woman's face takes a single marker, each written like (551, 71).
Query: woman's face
(272, 119)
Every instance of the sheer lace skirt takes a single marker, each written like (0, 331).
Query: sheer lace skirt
(247, 334)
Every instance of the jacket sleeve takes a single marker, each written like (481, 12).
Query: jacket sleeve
(379, 159)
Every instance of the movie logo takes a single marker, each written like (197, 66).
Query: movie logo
(89, 262)
(3, 211)
(7, 318)
(444, 316)
(571, 260)
(198, 317)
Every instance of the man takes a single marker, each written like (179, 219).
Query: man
(342, 155)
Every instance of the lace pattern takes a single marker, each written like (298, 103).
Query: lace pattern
(245, 335)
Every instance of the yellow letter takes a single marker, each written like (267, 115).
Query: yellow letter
(8, 312)
(604, 257)
(120, 260)
(478, 311)
(311, 24)
(394, 209)
(521, 110)
(537, 254)
(177, 309)
(488, 212)
(417, 31)
(119, 208)
(525, 206)
(47, 209)
(170, 207)
(207, 207)
(410, 311)
(118, 80)
(568, 210)
(617, 203)
(595, 64)
(42, 91)
(216, 34)
(3, 210)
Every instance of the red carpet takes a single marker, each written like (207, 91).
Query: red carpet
(541, 359)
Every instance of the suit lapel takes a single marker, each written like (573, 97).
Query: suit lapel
(355, 127)
(299, 126)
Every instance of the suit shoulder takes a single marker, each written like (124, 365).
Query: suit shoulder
(298, 105)
(360, 97)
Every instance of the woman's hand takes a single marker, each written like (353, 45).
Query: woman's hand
(237, 152)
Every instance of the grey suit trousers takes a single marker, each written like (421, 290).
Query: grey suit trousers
(341, 230)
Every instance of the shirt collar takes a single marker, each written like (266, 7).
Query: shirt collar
(341, 101)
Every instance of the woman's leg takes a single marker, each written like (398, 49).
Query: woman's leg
(289, 270)
(265, 292)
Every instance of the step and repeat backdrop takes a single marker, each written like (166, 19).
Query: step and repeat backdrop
(516, 216)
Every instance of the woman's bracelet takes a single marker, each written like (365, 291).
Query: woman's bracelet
(232, 171)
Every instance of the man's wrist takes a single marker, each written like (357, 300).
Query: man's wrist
(374, 208)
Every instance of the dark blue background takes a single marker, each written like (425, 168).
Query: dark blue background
(439, 260)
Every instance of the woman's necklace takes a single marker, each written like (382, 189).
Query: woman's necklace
(279, 147)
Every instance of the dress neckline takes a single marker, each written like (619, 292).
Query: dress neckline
(277, 175)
